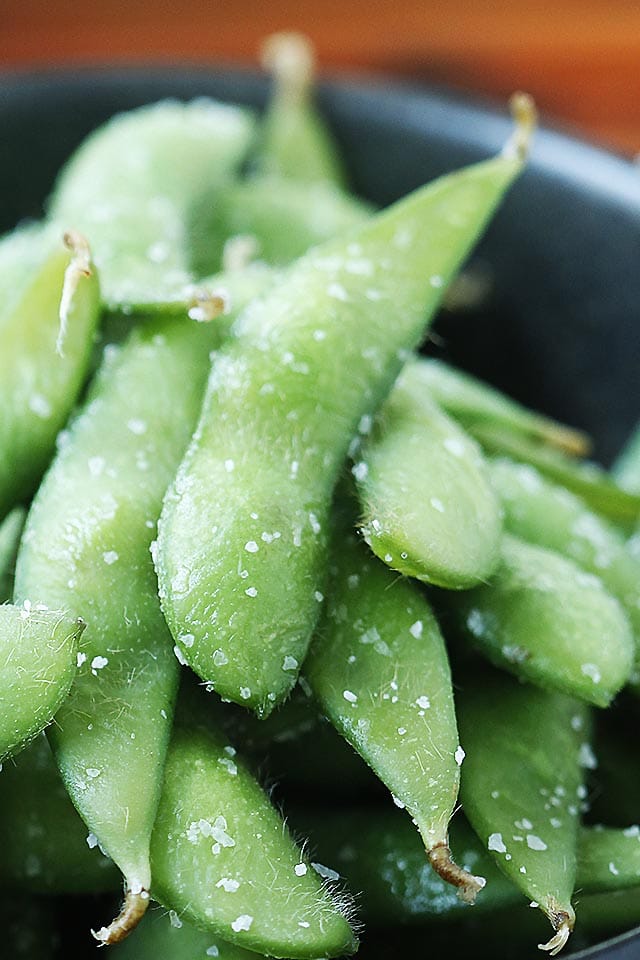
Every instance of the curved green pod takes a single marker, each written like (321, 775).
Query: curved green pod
(476, 403)
(164, 934)
(428, 508)
(37, 667)
(586, 479)
(544, 619)
(45, 847)
(47, 325)
(223, 860)
(293, 140)
(10, 531)
(87, 548)
(142, 188)
(283, 402)
(378, 669)
(521, 787)
(547, 514)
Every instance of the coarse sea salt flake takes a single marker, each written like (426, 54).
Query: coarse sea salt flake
(496, 843)
(349, 696)
(243, 922)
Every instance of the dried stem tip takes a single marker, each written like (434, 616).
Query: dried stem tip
(468, 885)
(132, 912)
(525, 116)
(562, 922)
(78, 267)
(290, 58)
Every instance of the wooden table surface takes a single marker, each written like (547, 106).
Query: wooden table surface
(579, 58)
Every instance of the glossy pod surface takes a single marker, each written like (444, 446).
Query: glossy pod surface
(283, 402)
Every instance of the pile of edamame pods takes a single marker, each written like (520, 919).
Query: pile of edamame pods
(240, 514)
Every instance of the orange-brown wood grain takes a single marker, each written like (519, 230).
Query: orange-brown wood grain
(579, 58)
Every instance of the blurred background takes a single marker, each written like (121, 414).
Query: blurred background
(579, 58)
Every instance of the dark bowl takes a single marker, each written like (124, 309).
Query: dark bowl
(560, 331)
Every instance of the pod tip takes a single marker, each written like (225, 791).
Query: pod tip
(133, 909)
(562, 922)
(468, 886)
(290, 58)
(525, 117)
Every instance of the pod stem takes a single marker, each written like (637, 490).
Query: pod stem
(562, 922)
(467, 885)
(573, 442)
(525, 116)
(79, 266)
(290, 59)
(132, 911)
(204, 306)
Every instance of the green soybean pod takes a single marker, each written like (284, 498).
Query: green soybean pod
(544, 619)
(428, 508)
(47, 325)
(87, 548)
(293, 140)
(10, 531)
(521, 787)
(283, 402)
(45, 848)
(164, 934)
(475, 403)
(609, 858)
(586, 479)
(223, 860)
(37, 667)
(379, 855)
(378, 669)
(547, 514)
(142, 186)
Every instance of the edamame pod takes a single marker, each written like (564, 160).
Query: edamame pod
(475, 403)
(222, 858)
(378, 669)
(164, 934)
(86, 548)
(45, 848)
(141, 187)
(428, 509)
(283, 402)
(544, 619)
(37, 667)
(521, 787)
(586, 479)
(47, 326)
(549, 515)
(10, 531)
(294, 142)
